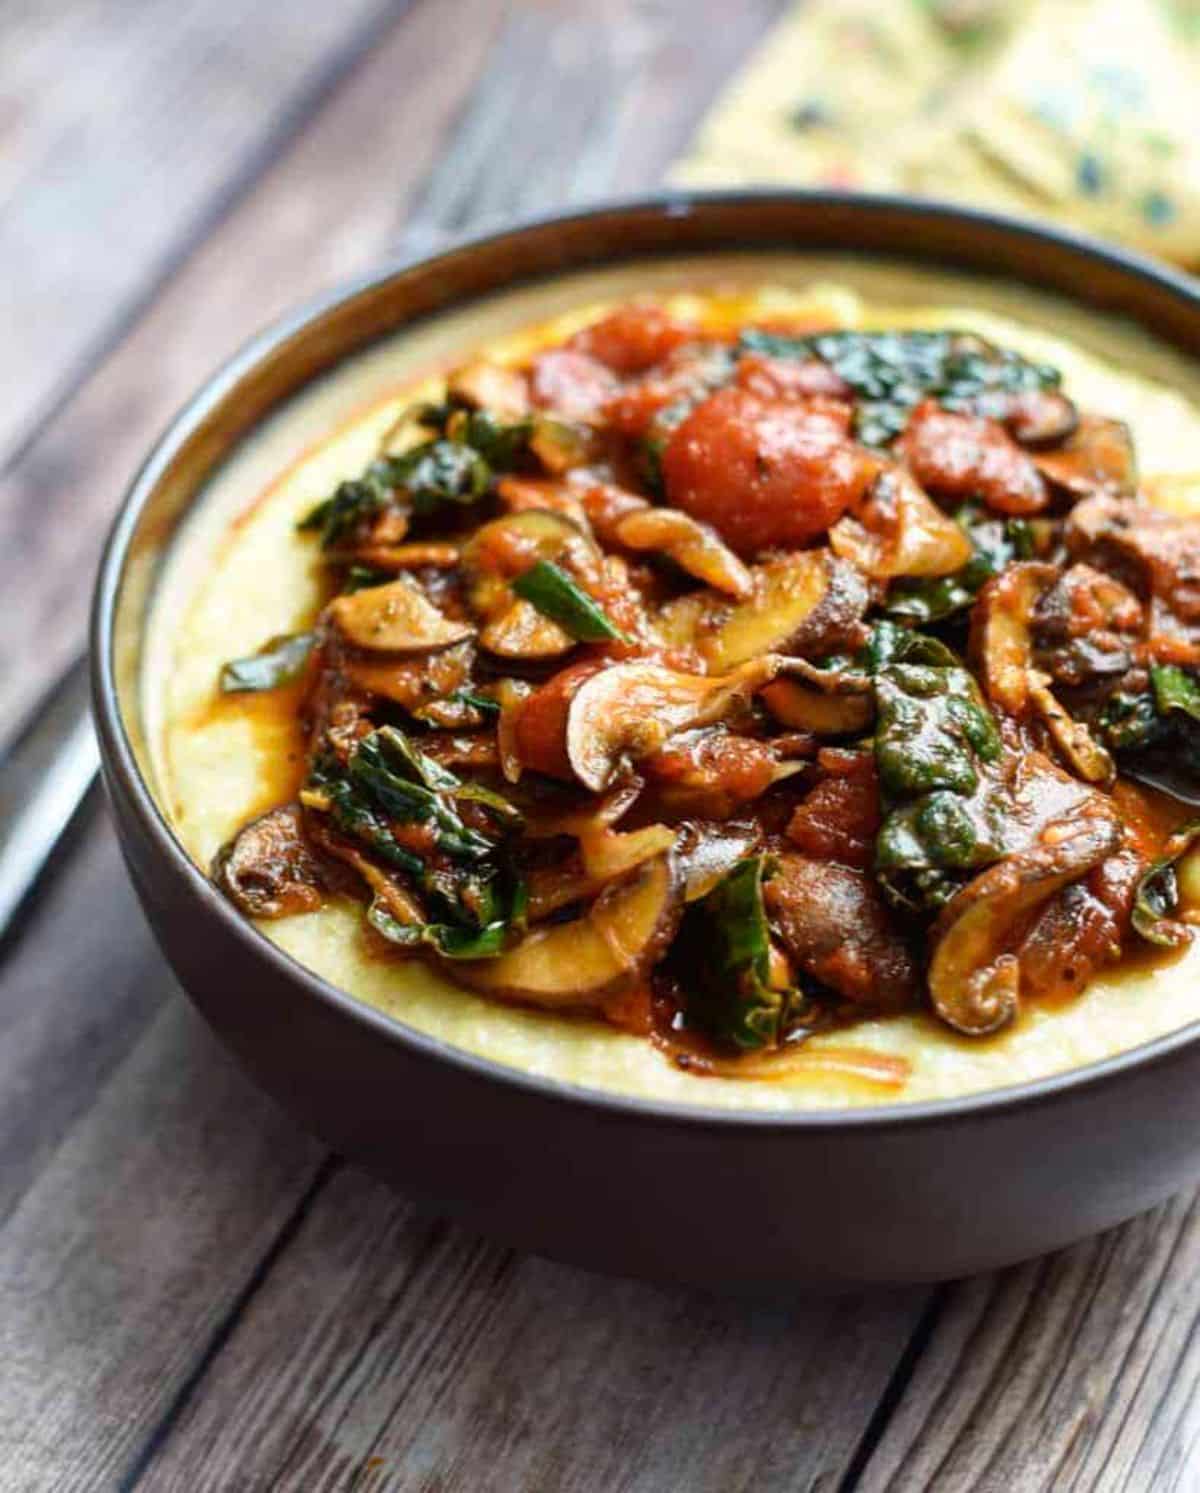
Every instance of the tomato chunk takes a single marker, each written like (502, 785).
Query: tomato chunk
(766, 473)
(541, 729)
(839, 818)
(963, 456)
(632, 338)
(570, 383)
(785, 378)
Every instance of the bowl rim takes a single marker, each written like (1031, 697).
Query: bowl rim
(118, 755)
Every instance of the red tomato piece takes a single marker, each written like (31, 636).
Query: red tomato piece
(782, 378)
(632, 338)
(541, 730)
(766, 473)
(838, 819)
(963, 456)
(570, 383)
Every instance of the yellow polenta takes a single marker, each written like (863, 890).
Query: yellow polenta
(239, 573)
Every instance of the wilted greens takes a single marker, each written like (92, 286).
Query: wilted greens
(891, 372)
(279, 661)
(936, 744)
(724, 947)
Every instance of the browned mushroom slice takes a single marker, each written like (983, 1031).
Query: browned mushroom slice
(1001, 642)
(899, 530)
(490, 386)
(1078, 747)
(269, 870)
(500, 551)
(522, 632)
(695, 547)
(396, 557)
(835, 924)
(827, 702)
(409, 680)
(542, 495)
(1098, 458)
(584, 962)
(395, 618)
(808, 602)
(708, 852)
(1041, 417)
(629, 710)
(974, 977)
(1002, 645)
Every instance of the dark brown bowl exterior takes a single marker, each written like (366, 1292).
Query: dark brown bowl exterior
(727, 1200)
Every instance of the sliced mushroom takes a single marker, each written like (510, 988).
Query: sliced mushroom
(808, 602)
(510, 695)
(628, 711)
(395, 618)
(409, 680)
(609, 853)
(1001, 643)
(695, 547)
(490, 386)
(396, 557)
(529, 494)
(1098, 458)
(835, 925)
(500, 551)
(269, 870)
(708, 852)
(899, 530)
(823, 712)
(581, 963)
(974, 978)
(1041, 417)
(1079, 748)
(522, 632)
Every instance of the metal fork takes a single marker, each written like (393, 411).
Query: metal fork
(44, 777)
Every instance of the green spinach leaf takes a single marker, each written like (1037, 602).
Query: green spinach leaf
(552, 591)
(936, 750)
(279, 661)
(1156, 905)
(725, 945)
(891, 372)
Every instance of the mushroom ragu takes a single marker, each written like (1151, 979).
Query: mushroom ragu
(737, 680)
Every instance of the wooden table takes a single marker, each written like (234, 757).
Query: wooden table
(194, 1296)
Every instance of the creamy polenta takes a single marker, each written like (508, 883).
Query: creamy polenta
(242, 572)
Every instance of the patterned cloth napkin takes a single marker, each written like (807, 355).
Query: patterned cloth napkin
(1086, 112)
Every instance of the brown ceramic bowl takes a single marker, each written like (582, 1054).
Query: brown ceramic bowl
(727, 1199)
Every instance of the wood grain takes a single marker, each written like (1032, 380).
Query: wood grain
(123, 130)
(1076, 1372)
(123, 1260)
(386, 1350)
(333, 201)
(77, 992)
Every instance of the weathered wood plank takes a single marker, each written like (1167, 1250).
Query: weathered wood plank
(123, 1260)
(78, 989)
(386, 1351)
(331, 203)
(123, 129)
(580, 100)
(1077, 1372)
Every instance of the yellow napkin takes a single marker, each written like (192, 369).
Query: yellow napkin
(1086, 112)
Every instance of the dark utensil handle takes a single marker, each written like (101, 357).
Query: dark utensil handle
(44, 777)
